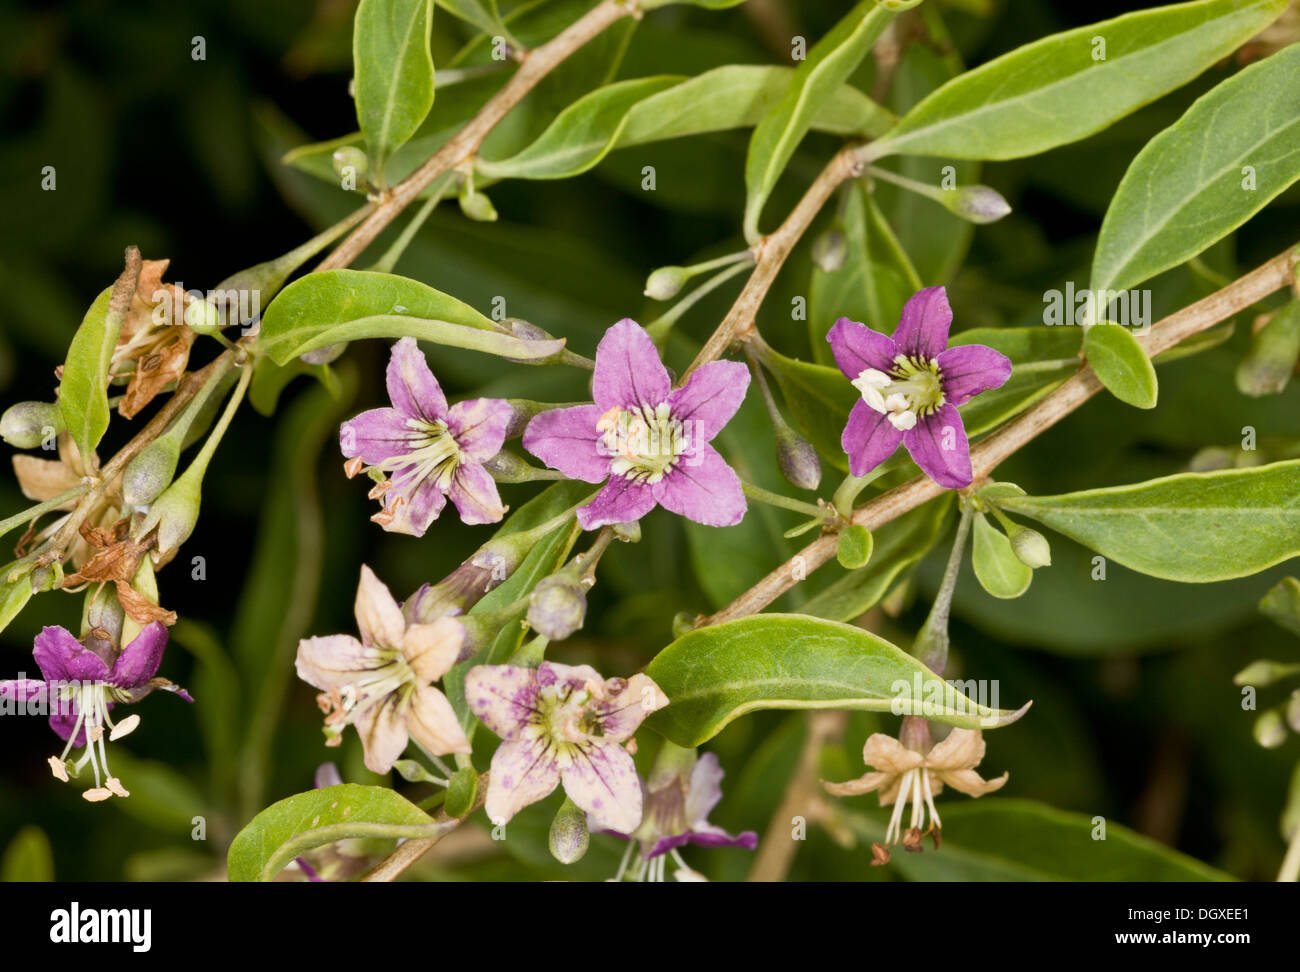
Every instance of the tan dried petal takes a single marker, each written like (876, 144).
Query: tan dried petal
(888, 755)
(44, 479)
(963, 749)
(971, 783)
(155, 370)
(863, 784)
(140, 609)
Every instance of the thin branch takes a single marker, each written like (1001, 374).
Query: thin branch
(410, 851)
(1277, 273)
(463, 146)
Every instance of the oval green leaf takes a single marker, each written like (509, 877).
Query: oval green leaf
(790, 661)
(1191, 527)
(997, 567)
(393, 73)
(1121, 364)
(83, 389)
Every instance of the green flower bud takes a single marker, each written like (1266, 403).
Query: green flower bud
(149, 473)
(1264, 672)
(478, 207)
(796, 457)
(175, 513)
(665, 282)
(462, 790)
(351, 161)
(976, 204)
(1274, 349)
(28, 424)
(525, 330)
(830, 250)
(203, 317)
(47, 577)
(853, 546)
(683, 623)
(1270, 730)
(627, 532)
(506, 467)
(557, 607)
(569, 837)
(103, 612)
(1030, 547)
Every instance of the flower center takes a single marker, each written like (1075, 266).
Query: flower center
(911, 389)
(434, 452)
(645, 442)
(91, 701)
(564, 720)
(391, 674)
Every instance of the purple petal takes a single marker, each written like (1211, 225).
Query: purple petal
(621, 501)
(523, 772)
(63, 718)
(711, 836)
(414, 500)
(62, 658)
(22, 689)
(703, 488)
(938, 445)
(620, 715)
(922, 331)
(570, 677)
(704, 789)
(602, 781)
(566, 439)
(502, 697)
(857, 347)
(869, 439)
(479, 426)
(710, 398)
(628, 370)
(969, 369)
(475, 494)
(411, 385)
(664, 844)
(140, 659)
(376, 436)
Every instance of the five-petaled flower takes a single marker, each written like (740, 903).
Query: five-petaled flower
(679, 795)
(81, 683)
(649, 440)
(382, 683)
(903, 776)
(431, 452)
(563, 723)
(911, 385)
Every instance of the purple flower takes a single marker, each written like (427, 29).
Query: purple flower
(562, 724)
(911, 385)
(649, 440)
(80, 684)
(382, 683)
(432, 452)
(679, 796)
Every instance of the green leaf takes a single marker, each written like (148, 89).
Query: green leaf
(997, 567)
(1282, 604)
(393, 73)
(14, 597)
(1058, 89)
(998, 839)
(83, 390)
(473, 12)
(346, 305)
(1234, 150)
(899, 545)
(779, 133)
(853, 547)
(790, 661)
(28, 857)
(1121, 364)
(308, 820)
(1192, 527)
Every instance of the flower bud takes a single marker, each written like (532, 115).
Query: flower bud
(1264, 672)
(976, 204)
(203, 317)
(351, 161)
(47, 577)
(104, 612)
(557, 607)
(1274, 349)
(1030, 547)
(150, 471)
(28, 424)
(665, 282)
(569, 837)
(175, 514)
(797, 458)
(462, 790)
(629, 532)
(853, 546)
(506, 467)
(683, 623)
(829, 250)
(526, 330)
(1270, 730)
(478, 207)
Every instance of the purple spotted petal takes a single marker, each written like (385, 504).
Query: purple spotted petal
(857, 347)
(868, 439)
(969, 369)
(704, 489)
(620, 715)
(566, 677)
(475, 494)
(62, 658)
(704, 789)
(602, 781)
(414, 500)
(710, 398)
(523, 772)
(621, 501)
(938, 445)
(140, 659)
(922, 331)
(566, 439)
(479, 426)
(502, 697)
(376, 436)
(411, 385)
(628, 370)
